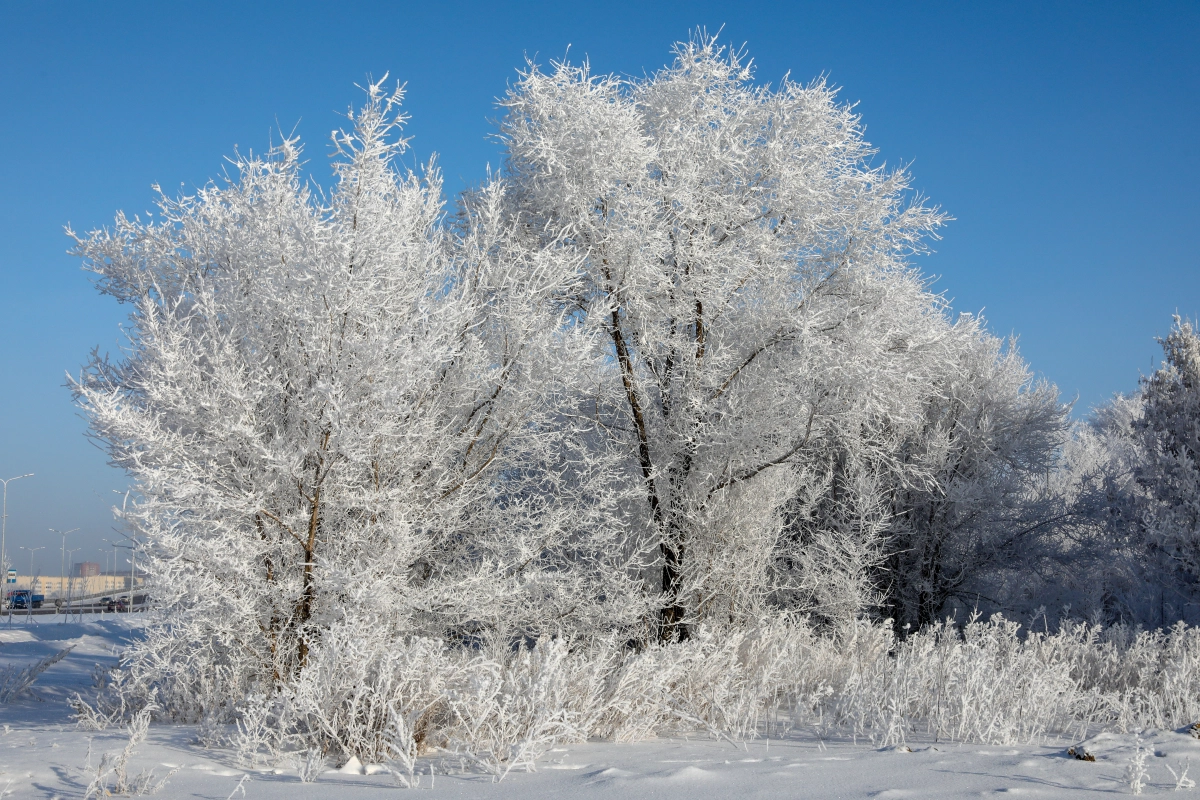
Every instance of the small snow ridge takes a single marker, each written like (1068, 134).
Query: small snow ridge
(689, 774)
(609, 774)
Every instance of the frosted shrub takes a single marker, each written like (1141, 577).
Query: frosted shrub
(503, 704)
(355, 698)
(352, 692)
(987, 683)
(983, 684)
(519, 704)
(310, 764)
(1137, 678)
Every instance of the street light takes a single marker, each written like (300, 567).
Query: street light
(71, 583)
(110, 569)
(132, 566)
(62, 570)
(111, 558)
(4, 527)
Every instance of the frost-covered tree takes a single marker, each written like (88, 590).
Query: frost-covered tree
(1169, 432)
(746, 266)
(1090, 566)
(943, 496)
(1142, 490)
(341, 419)
(973, 504)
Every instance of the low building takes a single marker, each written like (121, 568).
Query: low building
(53, 586)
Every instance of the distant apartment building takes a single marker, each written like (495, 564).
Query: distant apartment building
(86, 569)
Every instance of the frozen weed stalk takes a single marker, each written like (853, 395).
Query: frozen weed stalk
(1182, 781)
(240, 789)
(1136, 772)
(310, 765)
(111, 775)
(14, 681)
(403, 749)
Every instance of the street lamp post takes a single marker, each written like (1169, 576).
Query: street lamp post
(4, 527)
(62, 570)
(110, 567)
(132, 566)
(70, 582)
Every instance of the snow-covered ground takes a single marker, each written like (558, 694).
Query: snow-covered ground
(43, 754)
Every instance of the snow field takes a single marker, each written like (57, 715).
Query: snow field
(44, 762)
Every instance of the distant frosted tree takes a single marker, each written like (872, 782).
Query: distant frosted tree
(940, 498)
(1150, 504)
(1132, 477)
(1169, 432)
(976, 499)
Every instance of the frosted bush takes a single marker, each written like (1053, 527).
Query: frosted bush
(989, 683)
(503, 704)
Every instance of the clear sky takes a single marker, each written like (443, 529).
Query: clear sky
(1062, 137)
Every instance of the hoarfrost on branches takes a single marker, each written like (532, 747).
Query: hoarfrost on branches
(773, 357)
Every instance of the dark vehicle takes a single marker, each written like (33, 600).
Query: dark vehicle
(108, 603)
(21, 598)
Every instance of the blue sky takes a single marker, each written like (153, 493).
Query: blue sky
(1062, 138)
